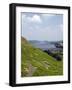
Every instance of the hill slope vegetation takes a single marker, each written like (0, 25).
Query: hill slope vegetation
(35, 62)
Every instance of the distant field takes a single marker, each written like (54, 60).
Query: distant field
(35, 62)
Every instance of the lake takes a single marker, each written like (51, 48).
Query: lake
(44, 45)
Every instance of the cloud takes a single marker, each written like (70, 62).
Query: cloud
(42, 26)
(48, 16)
(23, 16)
(35, 18)
(61, 27)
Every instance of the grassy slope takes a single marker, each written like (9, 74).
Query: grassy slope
(35, 62)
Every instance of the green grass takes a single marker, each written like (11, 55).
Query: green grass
(35, 62)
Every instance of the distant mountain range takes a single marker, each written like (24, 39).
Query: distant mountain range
(61, 41)
(45, 45)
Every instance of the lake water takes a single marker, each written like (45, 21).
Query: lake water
(44, 45)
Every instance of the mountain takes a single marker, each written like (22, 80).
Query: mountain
(35, 62)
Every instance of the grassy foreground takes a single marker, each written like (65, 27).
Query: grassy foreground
(35, 62)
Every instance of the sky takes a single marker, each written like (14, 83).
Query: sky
(42, 26)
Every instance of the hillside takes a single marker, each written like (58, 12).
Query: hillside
(35, 62)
